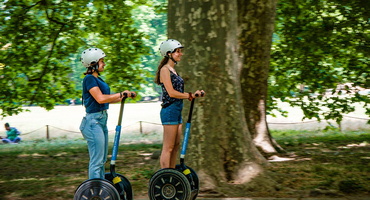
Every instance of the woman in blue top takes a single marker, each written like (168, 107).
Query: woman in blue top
(96, 98)
(172, 96)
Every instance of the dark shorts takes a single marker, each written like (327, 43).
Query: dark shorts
(171, 115)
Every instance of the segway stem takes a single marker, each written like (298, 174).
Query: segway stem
(187, 132)
(191, 111)
(118, 136)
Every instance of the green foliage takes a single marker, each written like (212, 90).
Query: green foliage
(41, 42)
(121, 42)
(151, 19)
(318, 45)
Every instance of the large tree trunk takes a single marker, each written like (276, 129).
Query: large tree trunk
(256, 22)
(221, 148)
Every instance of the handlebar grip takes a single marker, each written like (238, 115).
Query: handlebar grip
(132, 94)
(201, 94)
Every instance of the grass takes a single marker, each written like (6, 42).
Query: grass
(325, 164)
(54, 169)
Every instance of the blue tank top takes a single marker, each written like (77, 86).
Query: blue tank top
(90, 103)
(177, 84)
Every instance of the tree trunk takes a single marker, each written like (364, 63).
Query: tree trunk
(221, 148)
(256, 23)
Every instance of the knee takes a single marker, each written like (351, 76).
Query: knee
(171, 148)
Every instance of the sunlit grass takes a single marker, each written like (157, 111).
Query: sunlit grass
(325, 164)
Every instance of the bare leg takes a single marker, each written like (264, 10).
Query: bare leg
(170, 133)
(176, 147)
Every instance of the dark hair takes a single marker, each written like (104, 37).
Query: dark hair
(92, 68)
(157, 79)
(7, 125)
(89, 71)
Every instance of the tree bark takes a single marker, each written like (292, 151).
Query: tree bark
(256, 22)
(221, 148)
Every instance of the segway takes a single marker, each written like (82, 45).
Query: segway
(181, 183)
(115, 186)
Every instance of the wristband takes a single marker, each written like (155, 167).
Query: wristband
(190, 96)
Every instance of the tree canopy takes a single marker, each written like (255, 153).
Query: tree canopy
(324, 47)
(41, 42)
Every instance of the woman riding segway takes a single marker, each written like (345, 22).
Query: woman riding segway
(172, 100)
(171, 181)
(96, 98)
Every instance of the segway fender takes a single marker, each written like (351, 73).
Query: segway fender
(122, 184)
(192, 177)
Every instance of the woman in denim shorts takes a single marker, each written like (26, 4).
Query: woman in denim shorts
(172, 100)
(96, 98)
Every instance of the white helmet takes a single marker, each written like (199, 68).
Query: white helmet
(169, 45)
(91, 55)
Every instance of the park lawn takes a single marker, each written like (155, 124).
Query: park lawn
(324, 164)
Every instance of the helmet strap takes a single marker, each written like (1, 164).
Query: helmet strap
(172, 59)
(95, 67)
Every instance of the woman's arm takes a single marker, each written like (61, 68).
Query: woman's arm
(107, 98)
(129, 94)
(103, 98)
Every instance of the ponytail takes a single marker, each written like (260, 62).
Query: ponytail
(157, 79)
(89, 71)
(92, 68)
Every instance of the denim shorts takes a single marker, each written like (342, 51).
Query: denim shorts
(171, 115)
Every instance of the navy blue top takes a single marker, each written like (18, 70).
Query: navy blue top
(177, 84)
(90, 103)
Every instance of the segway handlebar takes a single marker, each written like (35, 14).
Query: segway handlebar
(132, 95)
(201, 94)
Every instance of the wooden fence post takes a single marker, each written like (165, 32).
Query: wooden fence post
(47, 132)
(141, 127)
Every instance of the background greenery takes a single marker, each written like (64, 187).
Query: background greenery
(317, 46)
(41, 42)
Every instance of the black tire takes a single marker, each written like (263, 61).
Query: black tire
(169, 184)
(127, 193)
(193, 180)
(96, 189)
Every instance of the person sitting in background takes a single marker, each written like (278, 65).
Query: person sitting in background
(11, 135)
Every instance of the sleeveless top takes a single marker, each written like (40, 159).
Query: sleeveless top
(177, 84)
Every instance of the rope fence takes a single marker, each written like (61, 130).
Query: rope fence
(143, 124)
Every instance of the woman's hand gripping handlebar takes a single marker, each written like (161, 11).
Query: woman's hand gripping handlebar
(128, 94)
(202, 93)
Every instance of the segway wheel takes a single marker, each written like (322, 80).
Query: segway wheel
(169, 184)
(96, 189)
(126, 193)
(193, 180)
